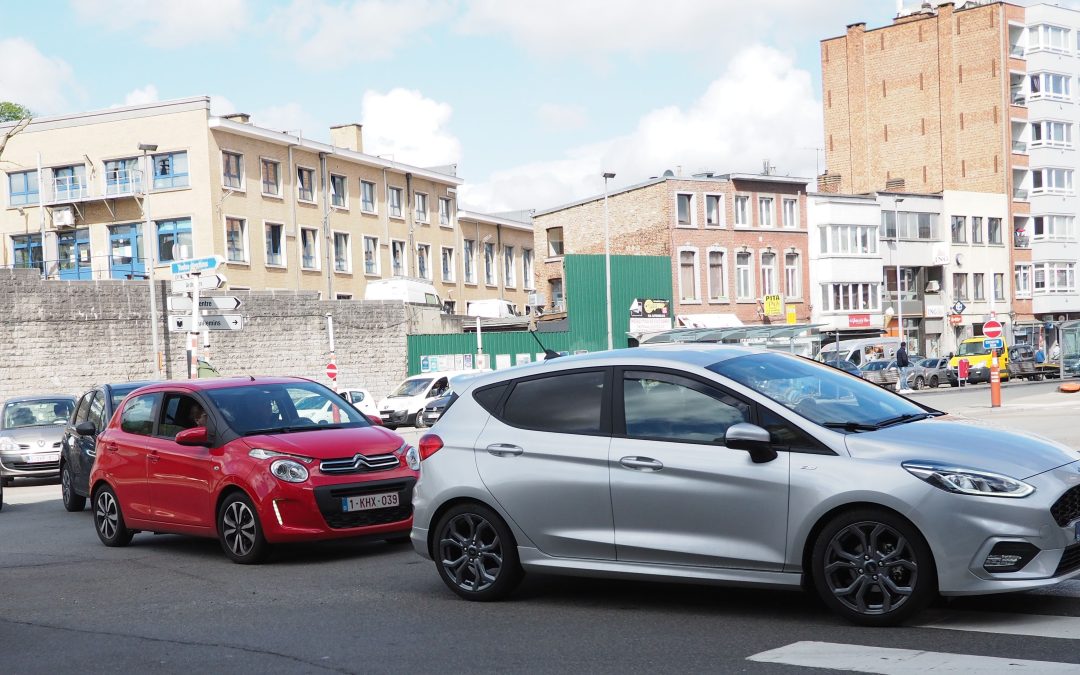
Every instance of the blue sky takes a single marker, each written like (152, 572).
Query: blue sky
(533, 100)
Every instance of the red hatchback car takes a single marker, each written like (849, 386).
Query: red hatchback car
(252, 462)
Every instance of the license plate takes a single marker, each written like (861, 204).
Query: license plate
(383, 500)
(42, 457)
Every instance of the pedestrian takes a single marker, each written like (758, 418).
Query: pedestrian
(1040, 356)
(903, 363)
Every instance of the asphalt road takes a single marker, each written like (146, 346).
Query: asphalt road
(175, 604)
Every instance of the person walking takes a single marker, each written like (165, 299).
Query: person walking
(903, 363)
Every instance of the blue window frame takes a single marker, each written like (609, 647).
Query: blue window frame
(122, 176)
(69, 182)
(174, 239)
(126, 257)
(27, 249)
(170, 170)
(23, 187)
(74, 254)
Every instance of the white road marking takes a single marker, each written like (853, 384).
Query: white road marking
(888, 661)
(1033, 625)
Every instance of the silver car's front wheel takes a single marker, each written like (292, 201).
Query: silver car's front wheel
(475, 553)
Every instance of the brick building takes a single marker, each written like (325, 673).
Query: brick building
(732, 239)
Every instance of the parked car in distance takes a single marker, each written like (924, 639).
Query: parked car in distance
(885, 373)
(846, 366)
(731, 465)
(31, 430)
(77, 447)
(362, 400)
(237, 460)
(405, 289)
(978, 358)
(929, 373)
(404, 405)
(492, 308)
(1022, 365)
(434, 410)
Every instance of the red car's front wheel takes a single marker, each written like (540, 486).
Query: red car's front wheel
(240, 531)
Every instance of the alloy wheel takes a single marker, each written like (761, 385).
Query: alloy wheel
(470, 552)
(238, 528)
(871, 568)
(65, 484)
(107, 514)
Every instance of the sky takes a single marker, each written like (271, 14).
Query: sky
(533, 100)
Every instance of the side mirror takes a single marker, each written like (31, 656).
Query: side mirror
(194, 436)
(85, 429)
(374, 419)
(753, 439)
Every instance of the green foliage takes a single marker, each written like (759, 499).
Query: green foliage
(9, 112)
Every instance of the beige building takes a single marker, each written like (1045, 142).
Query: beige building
(285, 212)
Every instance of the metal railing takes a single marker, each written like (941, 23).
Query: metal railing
(1018, 97)
(1021, 241)
(1017, 51)
(78, 268)
(1020, 195)
(1020, 147)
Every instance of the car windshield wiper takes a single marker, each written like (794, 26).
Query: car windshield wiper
(850, 426)
(903, 419)
(288, 429)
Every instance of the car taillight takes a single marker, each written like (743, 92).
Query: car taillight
(429, 445)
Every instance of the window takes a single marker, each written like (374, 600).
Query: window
(397, 258)
(744, 279)
(509, 275)
(23, 188)
(960, 286)
(371, 255)
(339, 191)
(791, 212)
(1054, 228)
(309, 248)
(742, 210)
(342, 253)
(1049, 133)
(305, 184)
(271, 177)
(993, 230)
(236, 240)
(959, 229)
(174, 239)
(126, 258)
(792, 274)
(1059, 181)
(527, 269)
(977, 286)
(367, 196)
(444, 212)
(69, 182)
(567, 403)
(856, 297)
(765, 211)
(555, 241)
(395, 202)
(275, 244)
(28, 254)
(170, 170)
(911, 225)
(976, 230)
(999, 286)
(468, 257)
(1050, 86)
(343, 296)
(768, 274)
(664, 407)
(423, 260)
(489, 264)
(179, 412)
(557, 299)
(1050, 38)
(1022, 280)
(850, 239)
(717, 278)
(447, 264)
(122, 176)
(685, 204)
(232, 170)
(714, 210)
(688, 276)
(1054, 277)
(421, 207)
(138, 415)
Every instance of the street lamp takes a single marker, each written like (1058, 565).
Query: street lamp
(899, 295)
(147, 179)
(607, 259)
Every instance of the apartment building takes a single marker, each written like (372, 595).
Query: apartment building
(285, 212)
(732, 239)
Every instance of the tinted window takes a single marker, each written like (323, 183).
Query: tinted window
(668, 407)
(138, 415)
(489, 397)
(96, 413)
(275, 408)
(84, 407)
(567, 403)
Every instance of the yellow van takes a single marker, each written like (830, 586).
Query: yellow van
(978, 357)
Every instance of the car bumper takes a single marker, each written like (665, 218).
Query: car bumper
(395, 417)
(431, 416)
(26, 463)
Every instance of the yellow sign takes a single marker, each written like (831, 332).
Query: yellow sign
(772, 305)
(792, 315)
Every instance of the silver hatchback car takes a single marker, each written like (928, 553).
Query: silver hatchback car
(734, 466)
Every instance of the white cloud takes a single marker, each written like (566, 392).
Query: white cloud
(409, 127)
(30, 78)
(332, 34)
(167, 24)
(219, 105)
(561, 117)
(762, 107)
(291, 117)
(147, 94)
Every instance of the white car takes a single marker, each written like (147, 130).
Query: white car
(404, 406)
(362, 400)
(320, 410)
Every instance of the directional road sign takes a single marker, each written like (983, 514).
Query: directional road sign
(992, 328)
(993, 343)
(207, 264)
(182, 322)
(206, 283)
(180, 303)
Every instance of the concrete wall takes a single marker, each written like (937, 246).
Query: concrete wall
(58, 336)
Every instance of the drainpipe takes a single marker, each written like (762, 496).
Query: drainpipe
(385, 214)
(326, 227)
(295, 227)
(409, 206)
(501, 259)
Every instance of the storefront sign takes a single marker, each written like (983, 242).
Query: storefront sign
(956, 319)
(649, 314)
(858, 320)
(772, 305)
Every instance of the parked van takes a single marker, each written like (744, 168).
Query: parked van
(978, 357)
(492, 308)
(860, 352)
(403, 405)
(416, 291)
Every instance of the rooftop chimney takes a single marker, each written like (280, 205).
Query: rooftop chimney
(348, 136)
(242, 118)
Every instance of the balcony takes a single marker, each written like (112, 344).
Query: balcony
(1020, 195)
(1018, 97)
(1017, 51)
(1020, 147)
(1021, 240)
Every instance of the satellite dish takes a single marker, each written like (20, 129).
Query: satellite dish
(669, 174)
(959, 259)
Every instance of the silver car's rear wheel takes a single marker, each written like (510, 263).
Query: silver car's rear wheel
(475, 553)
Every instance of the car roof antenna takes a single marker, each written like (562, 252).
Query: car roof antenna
(548, 353)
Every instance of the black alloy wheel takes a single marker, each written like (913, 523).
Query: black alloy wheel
(476, 554)
(73, 501)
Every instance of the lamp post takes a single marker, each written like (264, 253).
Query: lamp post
(607, 259)
(899, 294)
(147, 178)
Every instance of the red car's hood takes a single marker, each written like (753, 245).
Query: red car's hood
(330, 443)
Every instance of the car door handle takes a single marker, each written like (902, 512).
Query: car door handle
(153, 456)
(112, 447)
(642, 463)
(504, 450)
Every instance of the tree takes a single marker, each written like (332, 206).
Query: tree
(9, 112)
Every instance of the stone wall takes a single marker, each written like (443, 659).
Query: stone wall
(65, 336)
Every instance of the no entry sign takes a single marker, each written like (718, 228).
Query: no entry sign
(992, 329)
(331, 371)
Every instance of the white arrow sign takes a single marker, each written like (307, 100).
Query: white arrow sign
(181, 303)
(181, 323)
(207, 283)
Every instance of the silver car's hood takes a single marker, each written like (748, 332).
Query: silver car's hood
(963, 443)
(49, 434)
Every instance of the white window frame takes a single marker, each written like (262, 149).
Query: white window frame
(1022, 280)
(771, 211)
(845, 240)
(404, 258)
(692, 210)
(314, 185)
(244, 239)
(1050, 269)
(283, 245)
(796, 220)
(390, 189)
(1046, 128)
(243, 177)
(1056, 227)
(562, 241)
(746, 213)
(318, 247)
(348, 251)
(1045, 78)
(751, 290)
(418, 199)
(788, 291)
(345, 184)
(721, 210)
(509, 280)
(696, 298)
(377, 257)
(374, 197)
(447, 278)
(280, 183)
(449, 212)
(851, 294)
(998, 291)
(722, 296)
(775, 267)
(528, 272)
(1066, 176)
(1039, 38)
(426, 247)
(490, 280)
(465, 259)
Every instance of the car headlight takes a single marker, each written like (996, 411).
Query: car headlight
(411, 455)
(289, 471)
(969, 481)
(8, 445)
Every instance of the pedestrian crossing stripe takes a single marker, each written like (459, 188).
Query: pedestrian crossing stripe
(1031, 625)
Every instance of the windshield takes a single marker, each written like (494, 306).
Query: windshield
(821, 394)
(412, 387)
(37, 413)
(973, 349)
(283, 408)
(877, 365)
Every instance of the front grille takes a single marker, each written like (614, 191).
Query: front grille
(1067, 508)
(329, 502)
(1070, 560)
(27, 446)
(36, 466)
(359, 464)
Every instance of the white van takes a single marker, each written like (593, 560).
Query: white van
(403, 405)
(860, 352)
(416, 291)
(492, 308)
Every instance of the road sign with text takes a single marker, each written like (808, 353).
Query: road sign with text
(205, 283)
(180, 303)
(207, 264)
(182, 322)
(993, 343)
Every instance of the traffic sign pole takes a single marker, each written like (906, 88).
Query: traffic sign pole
(193, 360)
(995, 381)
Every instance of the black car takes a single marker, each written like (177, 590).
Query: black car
(434, 410)
(92, 413)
